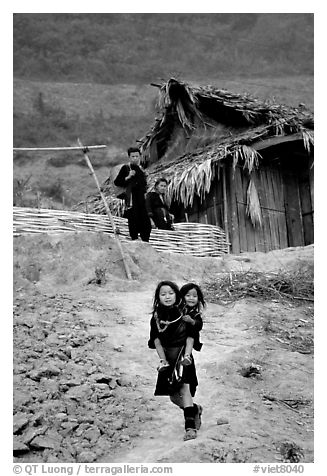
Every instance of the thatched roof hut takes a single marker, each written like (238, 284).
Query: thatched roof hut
(208, 114)
(236, 162)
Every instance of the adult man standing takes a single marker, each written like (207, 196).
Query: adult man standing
(133, 178)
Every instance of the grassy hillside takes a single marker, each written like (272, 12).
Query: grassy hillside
(129, 48)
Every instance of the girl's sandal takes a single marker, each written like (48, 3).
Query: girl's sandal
(190, 434)
(187, 360)
(163, 365)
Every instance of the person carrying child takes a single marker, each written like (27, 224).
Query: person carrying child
(169, 332)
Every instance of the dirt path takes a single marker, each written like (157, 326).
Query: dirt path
(232, 338)
(84, 376)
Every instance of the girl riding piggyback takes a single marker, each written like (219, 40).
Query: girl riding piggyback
(193, 305)
(174, 332)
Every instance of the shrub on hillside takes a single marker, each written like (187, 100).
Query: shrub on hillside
(54, 190)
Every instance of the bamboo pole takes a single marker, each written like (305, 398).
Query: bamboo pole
(89, 164)
(225, 206)
(42, 149)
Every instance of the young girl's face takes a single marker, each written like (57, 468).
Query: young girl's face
(167, 296)
(191, 297)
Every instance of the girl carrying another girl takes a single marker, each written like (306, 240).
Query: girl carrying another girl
(171, 333)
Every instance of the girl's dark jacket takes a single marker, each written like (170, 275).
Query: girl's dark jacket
(175, 335)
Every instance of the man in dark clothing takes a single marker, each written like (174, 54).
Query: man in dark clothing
(132, 176)
(157, 207)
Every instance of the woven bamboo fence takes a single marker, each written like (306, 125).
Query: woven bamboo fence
(195, 239)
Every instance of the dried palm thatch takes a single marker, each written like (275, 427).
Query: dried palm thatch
(253, 208)
(180, 98)
(308, 139)
(189, 183)
(246, 155)
(193, 104)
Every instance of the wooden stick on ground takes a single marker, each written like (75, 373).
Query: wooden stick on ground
(89, 164)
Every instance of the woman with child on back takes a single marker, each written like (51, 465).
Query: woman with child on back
(174, 332)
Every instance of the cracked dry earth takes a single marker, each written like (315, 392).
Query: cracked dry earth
(84, 376)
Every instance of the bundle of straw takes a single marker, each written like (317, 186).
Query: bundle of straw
(295, 284)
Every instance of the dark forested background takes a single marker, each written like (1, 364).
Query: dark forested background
(89, 75)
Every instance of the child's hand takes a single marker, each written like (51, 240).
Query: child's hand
(188, 319)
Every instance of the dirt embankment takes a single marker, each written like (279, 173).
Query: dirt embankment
(84, 377)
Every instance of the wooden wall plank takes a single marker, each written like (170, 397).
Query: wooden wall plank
(211, 216)
(254, 232)
(232, 211)
(259, 235)
(215, 211)
(245, 245)
(269, 219)
(306, 206)
(278, 190)
(250, 229)
(261, 187)
(311, 180)
(219, 199)
(293, 209)
(308, 229)
(272, 209)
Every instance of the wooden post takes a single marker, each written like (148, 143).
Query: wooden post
(215, 209)
(225, 205)
(89, 164)
(38, 201)
(186, 217)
